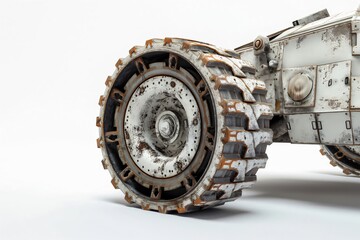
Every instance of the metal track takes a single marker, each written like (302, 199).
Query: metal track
(345, 157)
(234, 142)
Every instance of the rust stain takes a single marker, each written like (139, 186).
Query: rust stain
(186, 45)
(229, 106)
(98, 143)
(101, 100)
(127, 136)
(222, 162)
(322, 152)
(149, 43)
(226, 164)
(179, 165)
(225, 107)
(333, 163)
(98, 121)
(145, 206)
(128, 198)
(108, 81)
(167, 41)
(227, 135)
(141, 90)
(118, 63)
(277, 105)
(180, 208)
(198, 201)
(114, 182)
(142, 146)
(217, 80)
(132, 51)
(104, 164)
(162, 209)
(206, 58)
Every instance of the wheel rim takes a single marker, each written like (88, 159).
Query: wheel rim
(346, 157)
(182, 165)
(233, 124)
(163, 126)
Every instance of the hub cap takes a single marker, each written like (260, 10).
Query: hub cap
(167, 127)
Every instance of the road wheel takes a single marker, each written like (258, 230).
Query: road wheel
(345, 157)
(183, 125)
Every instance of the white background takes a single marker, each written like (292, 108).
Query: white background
(54, 59)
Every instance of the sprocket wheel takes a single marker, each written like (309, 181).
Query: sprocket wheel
(345, 157)
(183, 125)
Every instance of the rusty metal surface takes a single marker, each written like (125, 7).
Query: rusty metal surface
(160, 137)
(345, 157)
(184, 125)
(333, 87)
(323, 52)
(234, 155)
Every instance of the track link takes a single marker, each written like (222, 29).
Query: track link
(340, 157)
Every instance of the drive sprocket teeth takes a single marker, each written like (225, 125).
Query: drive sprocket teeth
(183, 125)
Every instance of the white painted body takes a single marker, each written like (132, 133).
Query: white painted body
(328, 52)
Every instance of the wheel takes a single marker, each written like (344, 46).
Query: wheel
(183, 125)
(345, 157)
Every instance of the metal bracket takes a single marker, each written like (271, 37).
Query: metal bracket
(261, 46)
(312, 18)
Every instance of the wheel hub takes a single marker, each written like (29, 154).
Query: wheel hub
(167, 126)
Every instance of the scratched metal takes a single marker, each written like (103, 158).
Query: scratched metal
(162, 126)
(335, 128)
(301, 128)
(184, 103)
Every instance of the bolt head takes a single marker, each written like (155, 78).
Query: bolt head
(258, 43)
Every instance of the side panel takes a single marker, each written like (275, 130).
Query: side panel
(333, 87)
(318, 48)
(355, 92)
(302, 128)
(335, 128)
(355, 121)
(330, 113)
